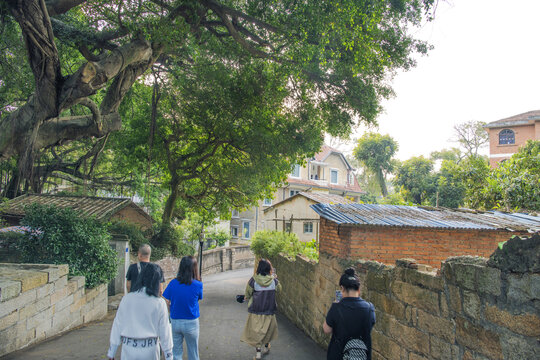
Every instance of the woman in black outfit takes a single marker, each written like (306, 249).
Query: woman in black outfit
(352, 317)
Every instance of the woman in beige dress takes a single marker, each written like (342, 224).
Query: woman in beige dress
(261, 325)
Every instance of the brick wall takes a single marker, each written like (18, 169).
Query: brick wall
(470, 312)
(134, 216)
(387, 244)
(39, 301)
(214, 261)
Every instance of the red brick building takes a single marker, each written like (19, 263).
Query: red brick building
(508, 134)
(386, 233)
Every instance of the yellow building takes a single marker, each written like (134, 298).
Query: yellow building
(328, 172)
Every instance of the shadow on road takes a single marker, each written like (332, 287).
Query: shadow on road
(222, 322)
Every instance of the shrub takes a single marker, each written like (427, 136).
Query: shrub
(68, 237)
(132, 231)
(267, 243)
(9, 242)
(169, 241)
(219, 236)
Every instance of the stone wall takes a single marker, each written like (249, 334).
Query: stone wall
(386, 244)
(214, 261)
(466, 310)
(39, 301)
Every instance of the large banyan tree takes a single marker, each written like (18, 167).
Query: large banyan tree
(338, 58)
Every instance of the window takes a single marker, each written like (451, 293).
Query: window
(246, 229)
(333, 176)
(308, 227)
(234, 231)
(267, 202)
(506, 137)
(351, 178)
(295, 171)
(235, 214)
(293, 192)
(288, 226)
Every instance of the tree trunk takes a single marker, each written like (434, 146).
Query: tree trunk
(382, 182)
(36, 124)
(12, 188)
(170, 203)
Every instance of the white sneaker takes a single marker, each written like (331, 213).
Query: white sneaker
(257, 356)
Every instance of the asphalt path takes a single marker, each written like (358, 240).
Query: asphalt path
(221, 324)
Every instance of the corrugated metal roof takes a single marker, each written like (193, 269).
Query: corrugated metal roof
(100, 207)
(410, 216)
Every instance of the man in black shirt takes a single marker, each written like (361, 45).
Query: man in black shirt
(134, 270)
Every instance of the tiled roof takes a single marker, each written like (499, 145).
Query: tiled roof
(521, 119)
(100, 207)
(321, 156)
(325, 151)
(316, 197)
(312, 183)
(325, 198)
(424, 217)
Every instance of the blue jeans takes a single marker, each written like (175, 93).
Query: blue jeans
(188, 330)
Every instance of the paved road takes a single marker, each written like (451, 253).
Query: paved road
(222, 322)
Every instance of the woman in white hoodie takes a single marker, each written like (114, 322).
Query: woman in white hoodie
(142, 320)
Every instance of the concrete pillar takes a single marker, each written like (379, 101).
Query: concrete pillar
(224, 265)
(120, 244)
(233, 259)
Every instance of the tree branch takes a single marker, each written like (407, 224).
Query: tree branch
(79, 37)
(58, 7)
(216, 8)
(61, 130)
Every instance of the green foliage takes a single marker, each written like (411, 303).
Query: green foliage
(219, 236)
(394, 199)
(453, 154)
(133, 232)
(238, 105)
(474, 172)
(472, 136)
(375, 151)
(517, 180)
(68, 237)
(169, 240)
(368, 199)
(268, 243)
(9, 242)
(415, 179)
(191, 226)
(449, 188)
(16, 82)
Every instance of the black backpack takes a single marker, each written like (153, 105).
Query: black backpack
(352, 347)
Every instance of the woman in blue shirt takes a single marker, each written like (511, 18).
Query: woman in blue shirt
(183, 295)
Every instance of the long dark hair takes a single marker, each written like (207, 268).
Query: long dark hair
(188, 270)
(264, 267)
(149, 278)
(349, 280)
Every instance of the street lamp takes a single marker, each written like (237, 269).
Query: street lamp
(201, 243)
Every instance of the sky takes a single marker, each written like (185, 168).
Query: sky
(485, 66)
